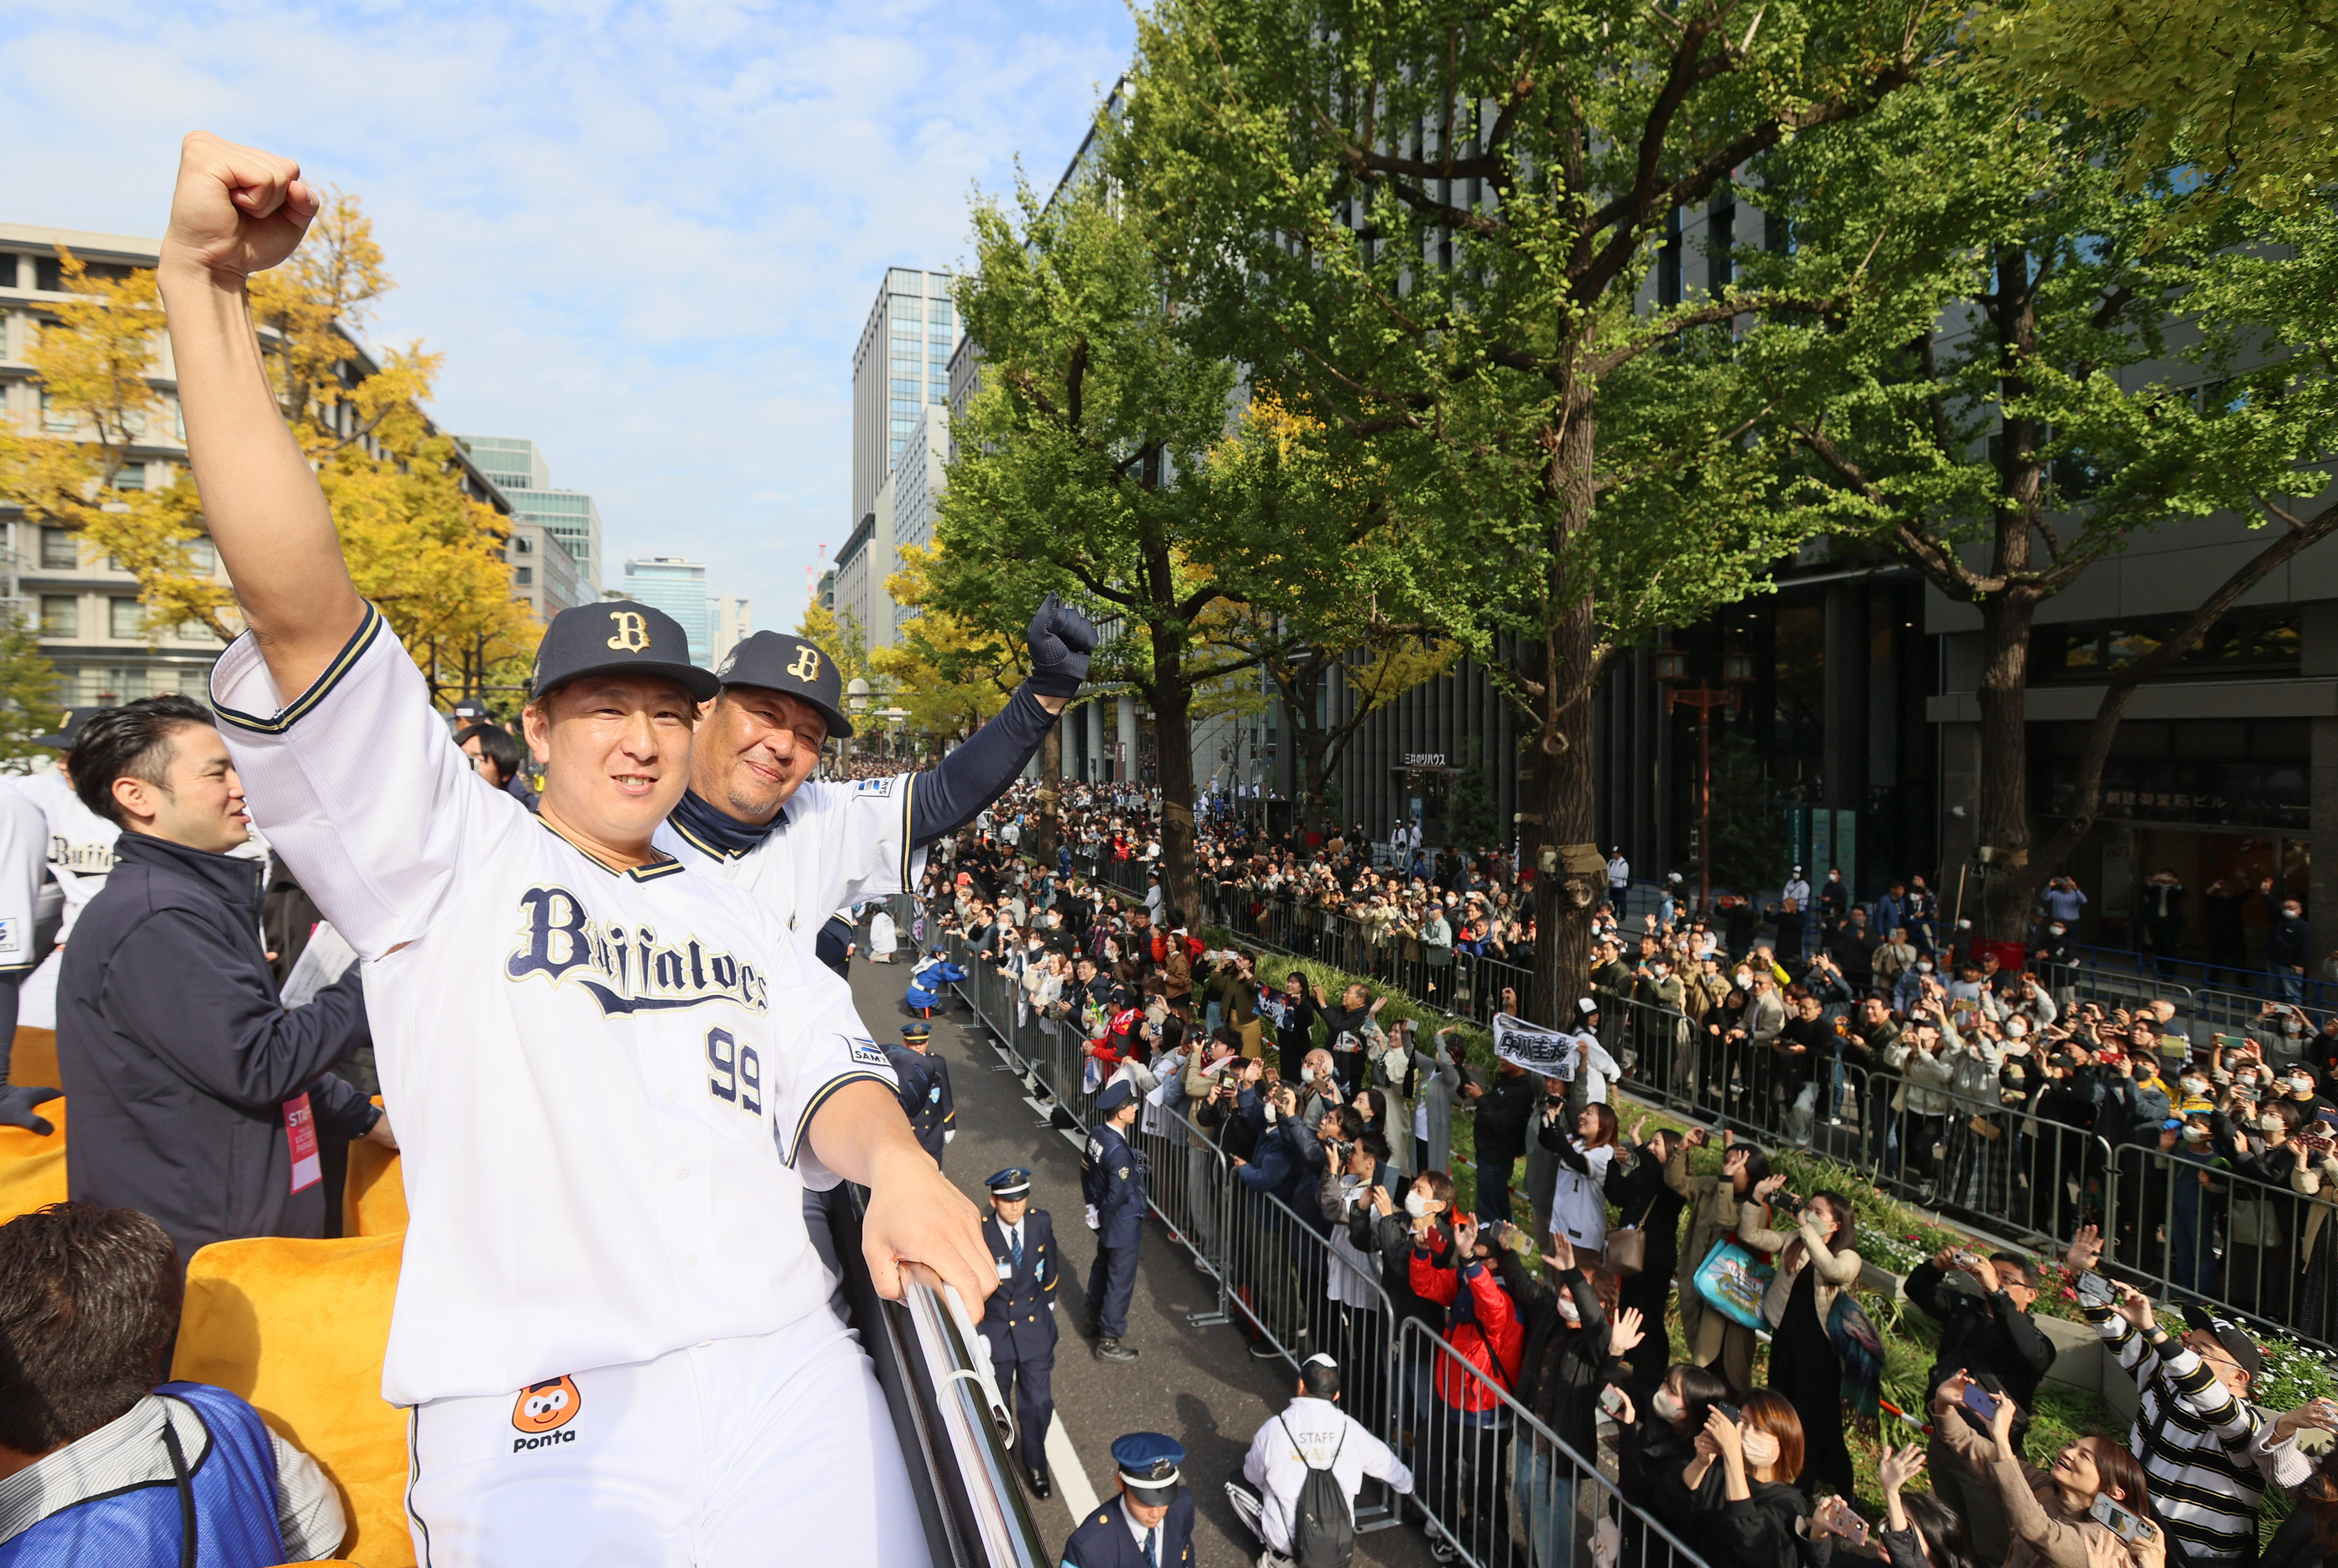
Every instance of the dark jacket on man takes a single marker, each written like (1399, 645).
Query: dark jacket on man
(1983, 1335)
(180, 1061)
(1504, 1111)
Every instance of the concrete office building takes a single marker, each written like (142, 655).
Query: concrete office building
(678, 587)
(900, 409)
(517, 467)
(92, 624)
(732, 617)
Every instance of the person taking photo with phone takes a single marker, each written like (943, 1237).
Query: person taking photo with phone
(2094, 1487)
(1983, 1306)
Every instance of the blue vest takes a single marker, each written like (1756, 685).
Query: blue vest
(231, 1491)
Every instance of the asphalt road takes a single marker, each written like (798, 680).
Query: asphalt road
(1200, 1385)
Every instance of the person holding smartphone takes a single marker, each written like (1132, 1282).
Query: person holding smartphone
(2094, 1486)
(1983, 1306)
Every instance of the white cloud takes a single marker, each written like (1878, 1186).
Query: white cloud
(646, 235)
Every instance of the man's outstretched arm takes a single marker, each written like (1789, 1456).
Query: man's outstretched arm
(237, 211)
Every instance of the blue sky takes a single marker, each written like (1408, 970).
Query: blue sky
(646, 235)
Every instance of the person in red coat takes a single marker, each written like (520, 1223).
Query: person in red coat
(1464, 1433)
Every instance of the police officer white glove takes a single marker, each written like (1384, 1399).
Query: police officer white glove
(1092, 1218)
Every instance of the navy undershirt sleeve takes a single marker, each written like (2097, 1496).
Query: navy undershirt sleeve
(949, 795)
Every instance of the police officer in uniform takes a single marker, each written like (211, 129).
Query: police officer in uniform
(926, 1096)
(1112, 1180)
(1019, 1318)
(1150, 1525)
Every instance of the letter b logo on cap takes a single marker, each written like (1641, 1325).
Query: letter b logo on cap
(807, 664)
(632, 631)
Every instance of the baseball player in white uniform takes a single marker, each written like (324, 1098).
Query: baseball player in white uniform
(80, 855)
(24, 855)
(754, 815)
(613, 1078)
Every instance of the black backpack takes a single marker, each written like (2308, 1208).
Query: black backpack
(1323, 1530)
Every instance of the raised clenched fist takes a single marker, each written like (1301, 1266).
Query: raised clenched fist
(236, 210)
(1061, 640)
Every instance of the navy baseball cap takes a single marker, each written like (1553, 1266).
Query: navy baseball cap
(1147, 1463)
(1114, 1095)
(617, 637)
(1012, 1182)
(779, 662)
(69, 729)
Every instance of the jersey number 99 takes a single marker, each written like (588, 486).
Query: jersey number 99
(738, 1073)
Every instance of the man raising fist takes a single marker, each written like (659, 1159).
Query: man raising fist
(614, 1078)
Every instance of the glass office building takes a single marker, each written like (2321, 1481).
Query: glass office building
(678, 587)
(518, 469)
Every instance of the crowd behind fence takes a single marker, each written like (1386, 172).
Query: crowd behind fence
(2261, 1243)
(1489, 1476)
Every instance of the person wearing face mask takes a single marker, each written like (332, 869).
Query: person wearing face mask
(2314, 1176)
(2045, 1511)
(1764, 1517)
(1908, 988)
(1649, 1191)
(2288, 944)
(1655, 1441)
(2057, 958)
(1821, 1343)
(1482, 1325)
(1579, 1205)
(1715, 1204)
(2261, 1224)
(1576, 1335)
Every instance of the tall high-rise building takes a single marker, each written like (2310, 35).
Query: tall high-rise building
(678, 587)
(733, 619)
(517, 468)
(900, 413)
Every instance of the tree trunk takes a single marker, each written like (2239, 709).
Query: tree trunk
(1051, 781)
(2001, 816)
(1563, 755)
(1172, 697)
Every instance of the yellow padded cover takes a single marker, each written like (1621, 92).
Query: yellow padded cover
(299, 1328)
(33, 1168)
(33, 1063)
(373, 1199)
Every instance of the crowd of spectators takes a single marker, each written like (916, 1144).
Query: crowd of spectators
(1883, 1034)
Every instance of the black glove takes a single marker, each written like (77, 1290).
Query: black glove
(16, 1102)
(1061, 640)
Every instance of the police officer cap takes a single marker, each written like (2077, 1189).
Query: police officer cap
(70, 730)
(916, 1032)
(1148, 1464)
(470, 711)
(779, 662)
(1114, 1095)
(617, 637)
(1012, 1182)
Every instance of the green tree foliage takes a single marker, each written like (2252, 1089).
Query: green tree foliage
(1432, 225)
(2236, 92)
(2042, 380)
(1089, 460)
(1748, 849)
(29, 697)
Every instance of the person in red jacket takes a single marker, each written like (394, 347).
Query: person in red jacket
(1466, 1428)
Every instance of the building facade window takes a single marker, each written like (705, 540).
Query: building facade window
(60, 551)
(524, 576)
(125, 618)
(60, 615)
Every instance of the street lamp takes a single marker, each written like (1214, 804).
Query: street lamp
(1671, 667)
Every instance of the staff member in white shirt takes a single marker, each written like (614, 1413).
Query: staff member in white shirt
(1313, 1431)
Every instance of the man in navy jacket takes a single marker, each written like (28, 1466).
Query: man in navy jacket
(197, 1095)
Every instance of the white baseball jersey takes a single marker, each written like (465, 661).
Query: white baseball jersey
(836, 844)
(80, 841)
(23, 851)
(602, 1078)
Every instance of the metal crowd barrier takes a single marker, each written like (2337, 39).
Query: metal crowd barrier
(948, 1415)
(1499, 1484)
(1291, 1279)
